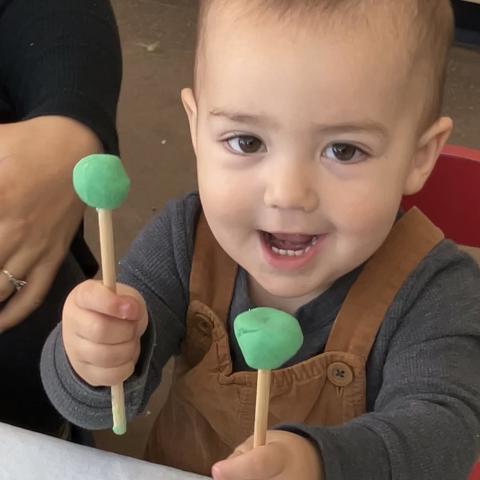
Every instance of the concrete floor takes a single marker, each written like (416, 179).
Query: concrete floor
(158, 39)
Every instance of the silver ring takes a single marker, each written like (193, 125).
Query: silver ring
(18, 284)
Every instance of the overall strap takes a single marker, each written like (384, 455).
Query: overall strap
(356, 326)
(213, 274)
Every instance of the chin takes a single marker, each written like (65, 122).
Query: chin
(291, 290)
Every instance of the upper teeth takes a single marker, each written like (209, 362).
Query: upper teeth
(294, 253)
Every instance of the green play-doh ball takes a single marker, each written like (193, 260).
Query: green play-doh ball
(267, 337)
(101, 181)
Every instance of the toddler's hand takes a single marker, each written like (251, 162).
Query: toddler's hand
(101, 331)
(285, 456)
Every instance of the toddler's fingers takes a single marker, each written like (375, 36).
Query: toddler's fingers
(106, 356)
(260, 463)
(244, 447)
(93, 295)
(105, 377)
(101, 329)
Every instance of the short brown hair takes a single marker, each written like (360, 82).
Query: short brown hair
(428, 24)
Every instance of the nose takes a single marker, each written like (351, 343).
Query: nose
(291, 186)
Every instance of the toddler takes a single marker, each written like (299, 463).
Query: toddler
(309, 120)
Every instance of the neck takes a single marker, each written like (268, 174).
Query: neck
(262, 298)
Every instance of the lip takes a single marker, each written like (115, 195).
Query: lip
(288, 263)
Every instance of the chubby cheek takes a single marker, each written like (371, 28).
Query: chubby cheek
(362, 218)
(227, 218)
(226, 204)
(220, 197)
(227, 191)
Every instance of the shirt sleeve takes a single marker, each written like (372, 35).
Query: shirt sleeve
(425, 423)
(158, 265)
(62, 57)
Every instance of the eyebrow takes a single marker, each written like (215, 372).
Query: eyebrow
(242, 117)
(366, 125)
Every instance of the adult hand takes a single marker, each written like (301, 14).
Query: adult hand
(39, 212)
(286, 456)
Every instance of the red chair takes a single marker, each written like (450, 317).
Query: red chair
(475, 473)
(451, 199)
(451, 196)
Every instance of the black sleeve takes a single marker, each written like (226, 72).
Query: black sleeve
(62, 57)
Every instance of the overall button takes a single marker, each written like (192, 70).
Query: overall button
(340, 374)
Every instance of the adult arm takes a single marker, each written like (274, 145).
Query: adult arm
(60, 70)
(62, 57)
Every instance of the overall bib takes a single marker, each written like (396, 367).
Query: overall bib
(211, 409)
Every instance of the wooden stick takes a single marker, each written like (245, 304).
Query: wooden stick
(107, 250)
(261, 407)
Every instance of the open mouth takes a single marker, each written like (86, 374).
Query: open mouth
(289, 244)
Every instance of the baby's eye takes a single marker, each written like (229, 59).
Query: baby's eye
(245, 144)
(343, 152)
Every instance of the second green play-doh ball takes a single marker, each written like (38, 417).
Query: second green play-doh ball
(267, 337)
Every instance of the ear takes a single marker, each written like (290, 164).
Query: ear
(190, 106)
(428, 149)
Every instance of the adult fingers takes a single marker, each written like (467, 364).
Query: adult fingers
(7, 287)
(11, 257)
(18, 266)
(30, 297)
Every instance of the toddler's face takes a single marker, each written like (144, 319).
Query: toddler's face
(305, 144)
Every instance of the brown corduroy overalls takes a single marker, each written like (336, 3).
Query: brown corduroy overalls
(211, 409)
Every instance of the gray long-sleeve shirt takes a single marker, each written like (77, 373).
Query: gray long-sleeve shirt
(423, 379)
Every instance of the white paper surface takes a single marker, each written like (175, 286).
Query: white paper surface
(26, 455)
